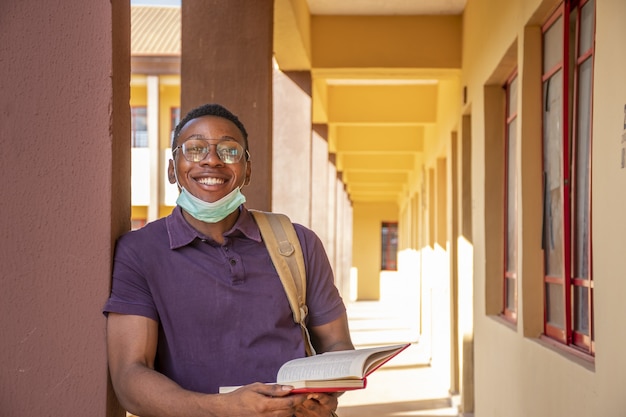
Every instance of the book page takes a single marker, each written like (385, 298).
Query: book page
(331, 365)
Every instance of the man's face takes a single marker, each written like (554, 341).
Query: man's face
(210, 178)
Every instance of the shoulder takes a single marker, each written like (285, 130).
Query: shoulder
(149, 235)
(304, 233)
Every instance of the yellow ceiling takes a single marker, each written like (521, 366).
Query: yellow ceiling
(378, 82)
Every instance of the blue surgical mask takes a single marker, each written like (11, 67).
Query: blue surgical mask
(210, 212)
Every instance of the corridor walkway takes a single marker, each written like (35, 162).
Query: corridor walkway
(409, 385)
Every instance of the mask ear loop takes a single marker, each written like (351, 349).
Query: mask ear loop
(175, 171)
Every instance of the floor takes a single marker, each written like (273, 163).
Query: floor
(408, 385)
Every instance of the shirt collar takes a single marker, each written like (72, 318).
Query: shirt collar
(182, 233)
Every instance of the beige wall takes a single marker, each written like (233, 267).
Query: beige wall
(512, 367)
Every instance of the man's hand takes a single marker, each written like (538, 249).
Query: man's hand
(317, 405)
(266, 400)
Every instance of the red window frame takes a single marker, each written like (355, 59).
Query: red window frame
(568, 316)
(510, 267)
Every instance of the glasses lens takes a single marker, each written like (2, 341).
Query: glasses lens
(229, 152)
(195, 150)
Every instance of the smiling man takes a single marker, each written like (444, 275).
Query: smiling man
(196, 302)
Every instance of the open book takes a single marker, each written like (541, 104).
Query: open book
(333, 371)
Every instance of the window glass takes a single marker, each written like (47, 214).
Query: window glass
(139, 127)
(553, 169)
(511, 294)
(581, 313)
(587, 26)
(174, 120)
(553, 45)
(511, 220)
(582, 184)
(555, 311)
(512, 101)
(389, 247)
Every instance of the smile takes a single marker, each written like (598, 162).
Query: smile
(210, 181)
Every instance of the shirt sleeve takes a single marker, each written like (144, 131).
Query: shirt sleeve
(130, 292)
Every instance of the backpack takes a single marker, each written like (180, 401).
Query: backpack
(284, 248)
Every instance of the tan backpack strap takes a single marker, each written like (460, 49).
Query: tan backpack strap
(285, 251)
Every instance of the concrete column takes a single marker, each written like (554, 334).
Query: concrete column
(332, 210)
(65, 123)
(226, 58)
(291, 162)
(319, 185)
(154, 147)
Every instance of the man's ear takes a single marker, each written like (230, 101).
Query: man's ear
(171, 175)
(248, 171)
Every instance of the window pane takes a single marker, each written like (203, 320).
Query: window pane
(553, 45)
(511, 203)
(512, 98)
(583, 133)
(139, 127)
(553, 171)
(581, 310)
(555, 311)
(587, 17)
(389, 247)
(510, 294)
(174, 120)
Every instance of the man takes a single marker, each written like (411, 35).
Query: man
(196, 302)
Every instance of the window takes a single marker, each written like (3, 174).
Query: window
(139, 127)
(174, 120)
(568, 45)
(510, 203)
(389, 246)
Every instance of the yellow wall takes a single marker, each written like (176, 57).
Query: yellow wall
(542, 380)
(366, 249)
(138, 91)
(169, 97)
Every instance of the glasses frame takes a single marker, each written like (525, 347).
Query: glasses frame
(182, 146)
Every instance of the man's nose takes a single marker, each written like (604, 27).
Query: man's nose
(212, 157)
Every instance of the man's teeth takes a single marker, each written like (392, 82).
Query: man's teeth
(210, 181)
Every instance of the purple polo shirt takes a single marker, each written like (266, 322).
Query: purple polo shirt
(223, 315)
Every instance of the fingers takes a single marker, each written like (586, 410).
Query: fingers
(317, 405)
(265, 400)
(272, 390)
(326, 400)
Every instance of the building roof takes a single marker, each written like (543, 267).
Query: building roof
(155, 30)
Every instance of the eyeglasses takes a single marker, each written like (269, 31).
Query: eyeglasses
(196, 149)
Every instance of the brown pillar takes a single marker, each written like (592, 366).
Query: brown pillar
(227, 59)
(64, 122)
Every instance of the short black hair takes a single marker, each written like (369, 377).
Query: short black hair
(210, 109)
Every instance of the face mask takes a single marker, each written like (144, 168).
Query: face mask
(210, 212)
